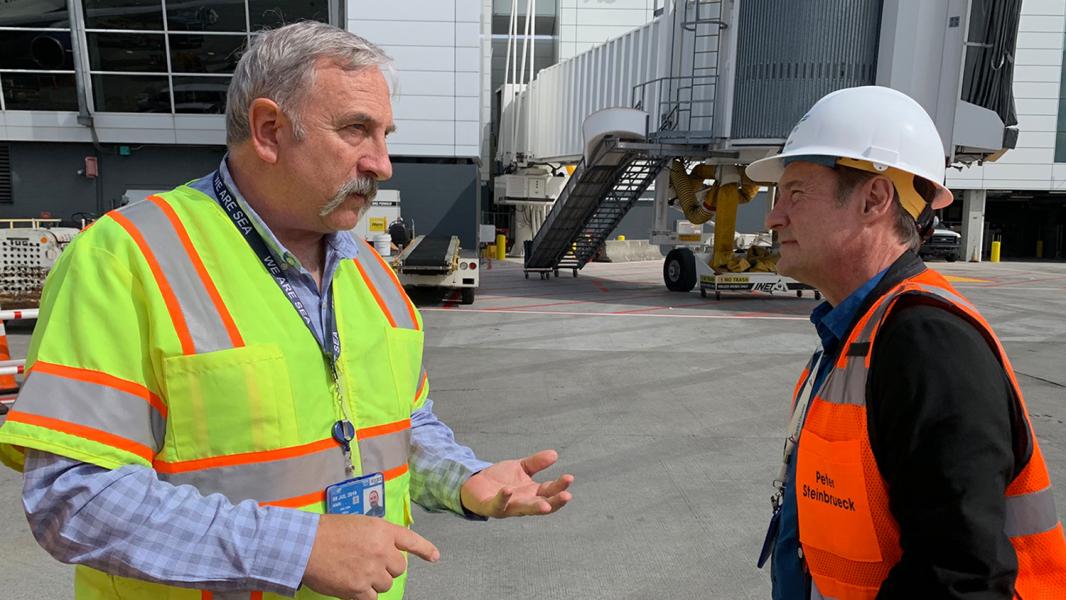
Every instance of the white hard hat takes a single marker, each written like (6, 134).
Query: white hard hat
(877, 125)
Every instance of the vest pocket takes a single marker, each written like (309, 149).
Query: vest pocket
(228, 402)
(405, 354)
(834, 508)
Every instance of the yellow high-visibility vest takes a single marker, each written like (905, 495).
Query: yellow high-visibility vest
(164, 342)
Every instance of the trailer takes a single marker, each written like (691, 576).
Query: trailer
(437, 262)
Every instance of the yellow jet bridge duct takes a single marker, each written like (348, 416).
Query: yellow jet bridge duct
(731, 188)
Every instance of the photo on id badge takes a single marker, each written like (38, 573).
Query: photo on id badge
(374, 501)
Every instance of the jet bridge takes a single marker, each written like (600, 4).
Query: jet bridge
(722, 82)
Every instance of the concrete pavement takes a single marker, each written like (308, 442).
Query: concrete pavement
(669, 409)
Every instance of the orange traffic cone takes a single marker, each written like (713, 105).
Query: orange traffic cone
(7, 382)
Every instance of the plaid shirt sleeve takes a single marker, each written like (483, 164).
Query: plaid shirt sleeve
(128, 523)
(439, 464)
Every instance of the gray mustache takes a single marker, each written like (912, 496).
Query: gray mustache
(362, 186)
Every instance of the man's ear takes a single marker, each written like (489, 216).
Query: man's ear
(880, 197)
(265, 120)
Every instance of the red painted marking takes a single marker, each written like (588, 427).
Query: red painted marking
(561, 313)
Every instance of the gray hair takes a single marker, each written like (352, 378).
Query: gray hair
(904, 225)
(280, 65)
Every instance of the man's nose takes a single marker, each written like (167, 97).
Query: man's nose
(377, 162)
(777, 218)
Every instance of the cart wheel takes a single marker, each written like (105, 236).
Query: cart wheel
(527, 274)
(817, 295)
(799, 293)
(703, 293)
(556, 273)
(466, 296)
(575, 272)
(717, 295)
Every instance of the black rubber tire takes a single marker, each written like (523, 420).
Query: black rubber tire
(527, 274)
(466, 296)
(679, 270)
(817, 295)
(703, 292)
(951, 257)
(575, 272)
(717, 295)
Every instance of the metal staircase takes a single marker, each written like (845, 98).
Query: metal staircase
(604, 187)
(590, 207)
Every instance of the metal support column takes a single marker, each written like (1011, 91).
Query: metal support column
(973, 224)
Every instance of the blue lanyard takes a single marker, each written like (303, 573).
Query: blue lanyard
(258, 245)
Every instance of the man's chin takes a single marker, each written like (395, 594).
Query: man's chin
(343, 219)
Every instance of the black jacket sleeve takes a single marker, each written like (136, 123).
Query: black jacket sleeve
(948, 437)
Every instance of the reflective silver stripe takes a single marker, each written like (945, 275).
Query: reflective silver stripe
(875, 318)
(948, 295)
(1029, 514)
(924, 290)
(267, 481)
(206, 326)
(847, 385)
(394, 297)
(93, 405)
(816, 594)
(383, 452)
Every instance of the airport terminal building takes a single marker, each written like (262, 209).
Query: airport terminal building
(105, 101)
(116, 99)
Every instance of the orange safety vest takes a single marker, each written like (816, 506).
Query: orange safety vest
(849, 538)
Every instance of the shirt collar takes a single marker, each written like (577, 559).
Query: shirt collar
(339, 242)
(833, 322)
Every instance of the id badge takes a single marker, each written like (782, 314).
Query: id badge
(359, 496)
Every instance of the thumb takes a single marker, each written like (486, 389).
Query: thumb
(415, 544)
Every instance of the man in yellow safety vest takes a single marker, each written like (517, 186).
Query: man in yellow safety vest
(222, 377)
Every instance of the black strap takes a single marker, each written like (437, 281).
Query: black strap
(243, 224)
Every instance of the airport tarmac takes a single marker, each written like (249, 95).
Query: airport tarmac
(668, 408)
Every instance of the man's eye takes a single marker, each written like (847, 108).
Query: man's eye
(357, 127)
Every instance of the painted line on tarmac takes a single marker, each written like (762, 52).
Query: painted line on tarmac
(573, 302)
(1011, 288)
(959, 279)
(615, 314)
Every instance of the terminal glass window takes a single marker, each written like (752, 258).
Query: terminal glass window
(155, 56)
(176, 57)
(36, 60)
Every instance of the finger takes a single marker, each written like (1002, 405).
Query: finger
(396, 564)
(532, 505)
(559, 500)
(536, 463)
(552, 488)
(368, 595)
(382, 583)
(415, 544)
